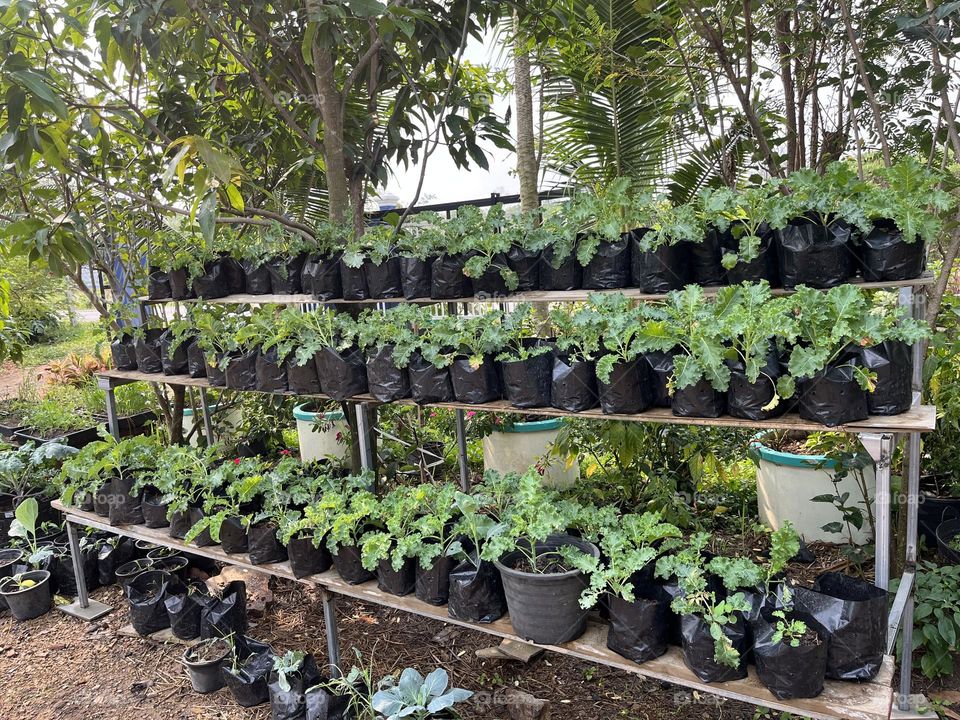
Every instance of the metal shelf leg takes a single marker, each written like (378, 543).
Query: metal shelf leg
(462, 451)
(113, 425)
(880, 447)
(82, 607)
(333, 634)
(205, 411)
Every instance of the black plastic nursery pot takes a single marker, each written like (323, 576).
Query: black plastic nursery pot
(124, 353)
(573, 385)
(433, 583)
(225, 615)
(415, 277)
(214, 282)
(174, 363)
(196, 360)
(184, 611)
(110, 557)
(248, 681)
(397, 582)
(271, 371)
(490, 283)
(342, 373)
(233, 274)
(180, 524)
(320, 276)
(659, 370)
(698, 649)
(526, 264)
(285, 273)
(347, 562)
(383, 280)
(146, 594)
(291, 703)
(704, 260)
(302, 379)
(698, 400)
(26, 603)
(762, 267)
(180, 284)
(216, 376)
(206, 676)
(158, 284)
(203, 539)
(609, 268)
(476, 593)
(174, 565)
(886, 255)
(62, 574)
(563, 274)
(102, 499)
(257, 277)
(811, 254)
(639, 630)
(264, 546)
(933, 510)
(149, 352)
(628, 389)
(892, 362)
(447, 281)
(787, 671)
(233, 536)
(545, 607)
(241, 372)
(474, 385)
(126, 572)
(428, 383)
(945, 534)
(9, 559)
(854, 614)
(385, 381)
(833, 396)
(750, 400)
(306, 559)
(154, 511)
(660, 270)
(125, 507)
(526, 383)
(353, 281)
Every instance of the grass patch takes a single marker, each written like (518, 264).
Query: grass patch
(82, 339)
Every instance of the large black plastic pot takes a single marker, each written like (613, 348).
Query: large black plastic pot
(628, 389)
(154, 511)
(476, 593)
(698, 400)
(526, 383)
(146, 596)
(490, 283)
(750, 400)
(353, 281)
(306, 559)
(811, 254)
(698, 649)
(180, 288)
(545, 608)
(762, 267)
(573, 385)
(342, 373)
(149, 352)
(124, 353)
(158, 284)
(609, 268)
(475, 385)
(886, 255)
(385, 381)
(124, 505)
(892, 362)
(29, 602)
(397, 582)
(565, 274)
(428, 383)
(833, 396)
(433, 583)
(383, 280)
(639, 629)
(302, 379)
(660, 270)
(206, 676)
(257, 277)
(173, 363)
(196, 360)
(264, 546)
(415, 277)
(285, 274)
(320, 276)
(271, 371)
(447, 281)
(704, 260)
(214, 282)
(787, 671)
(241, 372)
(347, 562)
(526, 264)
(945, 534)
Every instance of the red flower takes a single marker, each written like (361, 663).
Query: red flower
(236, 461)
(471, 414)
(339, 437)
(285, 452)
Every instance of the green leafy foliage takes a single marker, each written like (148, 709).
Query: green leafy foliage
(936, 618)
(415, 696)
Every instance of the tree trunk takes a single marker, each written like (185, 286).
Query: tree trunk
(527, 166)
(331, 111)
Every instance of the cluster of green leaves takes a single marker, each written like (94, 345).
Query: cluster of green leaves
(30, 468)
(936, 618)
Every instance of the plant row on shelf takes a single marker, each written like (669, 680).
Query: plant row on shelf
(807, 229)
(511, 545)
(836, 356)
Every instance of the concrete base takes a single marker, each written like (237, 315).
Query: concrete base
(920, 708)
(94, 610)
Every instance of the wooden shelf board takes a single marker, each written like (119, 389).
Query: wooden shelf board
(920, 418)
(839, 700)
(531, 296)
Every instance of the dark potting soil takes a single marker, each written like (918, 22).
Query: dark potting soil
(547, 564)
(208, 652)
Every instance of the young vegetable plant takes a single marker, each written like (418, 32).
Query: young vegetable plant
(417, 697)
(24, 528)
(741, 211)
(288, 665)
(397, 512)
(521, 335)
(399, 327)
(32, 469)
(910, 195)
(605, 214)
(619, 321)
(476, 336)
(792, 632)
(834, 196)
(376, 244)
(432, 533)
(579, 330)
(322, 329)
(231, 486)
(474, 524)
(488, 244)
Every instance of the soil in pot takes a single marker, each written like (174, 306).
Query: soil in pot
(180, 284)
(433, 583)
(545, 605)
(428, 383)
(271, 371)
(347, 562)
(814, 255)
(565, 274)
(247, 672)
(660, 270)
(241, 372)
(476, 593)
(415, 277)
(353, 281)
(204, 663)
(302, 379)
(639, 630)
(213, 283)
(146, 594)
(148, 351)
(833, 396)
(158, 284)
(265, 547)
(383, 280)
(397, 582)
(854, 614)
(447, 281)
(285, 274)
(526, 264)
(124, 353)
(385, 381)
(175, 565)
(320, 276)
(892, 362)
(342, 373)
(609, 268)
(787, 671)
(573, 385)
(227, 614)
(704, 260)
(885, 255)
(306, 559)
(257, 277)
(628, 389)
(475, 385)
(196, 360)
(526, 383)
(27, 594)
(698, 400)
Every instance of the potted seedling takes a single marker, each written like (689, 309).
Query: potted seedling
(292, 674)
(604, 220)
(526, 360)
(387, 550)
(279, 485)
(388, 340)
(382, 269)
(228, 504)
(474, 341)
(29, 472)
(428, 542)
(448, 280)
(248, 671)
(624, 380)
(559, 268)
(736, 220)
(289, 254)
(418, 247)
(320, 276)
(487, 266)
(527, 238)
(204, 662)
(216, 328)
(259, 336)
(188, 472)
(418, 697)
(308, 553)
(253, 255)
(341, 517)
(329, 338)
(27, 594)
(475, 587)
(579, 332)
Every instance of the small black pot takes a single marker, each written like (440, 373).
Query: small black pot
(302, 379)
(491, 284)
(698, 649)
(307, 559)
(102, 499)
(216, 376)
(196, 360)
(203, 539)
(704, 261)
(475, 385)
(385, 381)
(433, 584)
(749, 400)
(158, 284)
(174, 363)
(476, 593)
(698, 400)
(264, 546)
(609, 268)
(946, 532)
(233, 274)
(241, 372)
(786, 671)
(30, 602)
(271, 371)
(639, 629)
(428, 383)
(180, 285)
(257, 277)
(628, 390)
(526, 383)
(892, 361)
(659, 371)
(762, 267)
(205, 676)
(526, 264)
(214, 282)
(347, 562)
(174, 565)
(383, 280)
(285, 274)
(563, 275)
(447, 281)
(149, 352)
(814, 255)
(396, 582)
(415, 277)
(342, 373)
(886, 255)
(124, 353)
(573, 385)
(180, 524)
(126, 572)
(320, 276)
(354, 281)
(833, 397)
(660, 270)
(233, 536)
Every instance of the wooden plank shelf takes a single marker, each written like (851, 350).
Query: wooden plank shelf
(548, 296)
(919, 418)
(839, 700)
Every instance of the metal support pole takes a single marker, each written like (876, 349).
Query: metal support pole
(82, 607)
(906, 659)
(205, 410)
(333, 634)
(880, 447)
(462, 451)
(113, 425)
(363, 431)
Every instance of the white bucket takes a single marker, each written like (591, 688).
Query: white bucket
(528, 444)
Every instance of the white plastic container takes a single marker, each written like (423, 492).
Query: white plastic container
(226, 424)
(528, 444)
(786, 484)
(321, 444)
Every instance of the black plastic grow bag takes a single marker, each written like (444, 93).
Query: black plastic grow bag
(248, 684)
(628, 390)
(476, 594)
(320, 276)
(385, 381)
(475, 385)
(660, 270)
(526, 383)
(698, 400)
(180, 284)
(347, 562)
(786, 671)
(158, 284)
(639, 630)
(213, 282)
(526, 264)
(180, 524)
(433, 583)
(264, 546)
(257, 277)
(216, 376)
(447, 281)
(271, 371)
(285, 274)
(203, 539)
(146, 594)
(353, 281)
(302, 379)
(383, 280)
(174, 363)
(292, 704)
(61, 572)
(124, 353)
(233, 273)
(563, 275)
(428, 383)
(183, 612)
(886, 255)
(149, 354)
(415, 277)
(306, 559)
(609, 268)
(196, 360)
(833, 396)
(110, 557)
(892, 361)
(699, 650)
(854, 614)
(342, 373)
(814, 255)
(573, 385)
(227, 614)
(397, 582)
(747, 399)
(762, 267)
(704, 260)
(491, 284)
(233, 536)
(241, 372)
(124, 505)
(660, 369)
